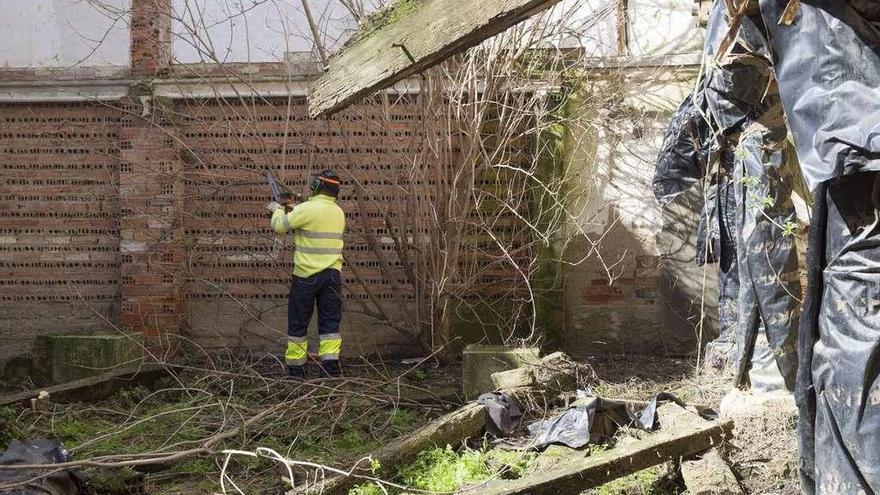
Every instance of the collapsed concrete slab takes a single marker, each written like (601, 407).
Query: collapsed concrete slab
(91, 388)
(65, 358)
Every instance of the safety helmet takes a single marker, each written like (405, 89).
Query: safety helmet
(327, 182)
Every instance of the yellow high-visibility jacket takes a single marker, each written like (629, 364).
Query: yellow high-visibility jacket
(317, 225)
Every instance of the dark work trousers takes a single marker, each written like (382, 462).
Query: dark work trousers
(323, 289)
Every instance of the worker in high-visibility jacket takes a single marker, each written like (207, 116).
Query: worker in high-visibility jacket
(317, 225)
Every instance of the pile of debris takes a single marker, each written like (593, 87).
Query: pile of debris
(565, 419)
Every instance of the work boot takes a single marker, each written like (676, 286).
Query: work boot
(297, 372)
(330, 368)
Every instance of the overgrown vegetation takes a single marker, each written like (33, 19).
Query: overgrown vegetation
(334, 424)
(444, 469)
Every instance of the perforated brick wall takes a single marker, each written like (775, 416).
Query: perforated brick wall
(59, 220)
(237, 266)
(154, 219)
(226, 221)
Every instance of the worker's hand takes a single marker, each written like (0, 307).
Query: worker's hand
(273, 206)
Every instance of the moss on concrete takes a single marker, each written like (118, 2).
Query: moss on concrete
(552, 168)
(71, 357)
(480, 361)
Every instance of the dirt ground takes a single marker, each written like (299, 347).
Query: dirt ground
(337, 422)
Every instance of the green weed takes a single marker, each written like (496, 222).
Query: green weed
(404, 418)
(366, 489)
(9, 427)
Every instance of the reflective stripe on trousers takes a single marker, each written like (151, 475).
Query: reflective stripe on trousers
(329, 346)
(296, 352)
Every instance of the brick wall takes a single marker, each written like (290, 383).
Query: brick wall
(236, 267)
(149, 215)
(59, 220)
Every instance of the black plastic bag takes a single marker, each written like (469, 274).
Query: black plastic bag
(63, 482)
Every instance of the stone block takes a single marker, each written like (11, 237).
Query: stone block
(480, 361)
(65, 358)
(709, 475)
(17, 371)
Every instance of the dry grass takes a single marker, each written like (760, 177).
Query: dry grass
(763, 450)
(641, 377)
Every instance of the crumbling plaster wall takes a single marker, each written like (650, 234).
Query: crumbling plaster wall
(640, 291)
(643, 293)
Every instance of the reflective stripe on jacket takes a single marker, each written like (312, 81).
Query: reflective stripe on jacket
(317, 225)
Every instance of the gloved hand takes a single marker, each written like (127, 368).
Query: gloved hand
(273, 206)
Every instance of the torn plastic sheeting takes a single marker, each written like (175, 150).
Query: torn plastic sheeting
(837, 376)
(62, 482)
(732, 89)
(828, 65)
(750, 35)
(682, 158)
(577, 425)
(765, 177)
(503, 413)
(571, 428)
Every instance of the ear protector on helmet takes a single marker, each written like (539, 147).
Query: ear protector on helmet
(318, 182)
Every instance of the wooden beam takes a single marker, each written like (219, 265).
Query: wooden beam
(452, 428)
(92, 388)
(682, 434)
(422, 36)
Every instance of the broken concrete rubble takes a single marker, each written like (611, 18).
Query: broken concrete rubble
(554, 372)
(682, 434)
(558, 470)
(480, 362)
(709, 475)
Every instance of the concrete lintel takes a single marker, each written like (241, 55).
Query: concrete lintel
(73, 91)
(63, 91)
(193, 89)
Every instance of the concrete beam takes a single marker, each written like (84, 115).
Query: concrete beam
(62, 91)
(427, 33)
(225, 88)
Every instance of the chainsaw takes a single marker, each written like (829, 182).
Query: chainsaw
(280, 193)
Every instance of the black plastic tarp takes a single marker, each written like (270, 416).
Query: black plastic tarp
(765, 176)
(827, 61)
(60, 482)
(828, 67)
(503, 413)
(746, 221)
(722, 350)
(596, 420)
(682, 159)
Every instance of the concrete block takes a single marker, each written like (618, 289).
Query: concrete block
(17, 371)
(480, 361)
(65, 358)
(709, 475)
